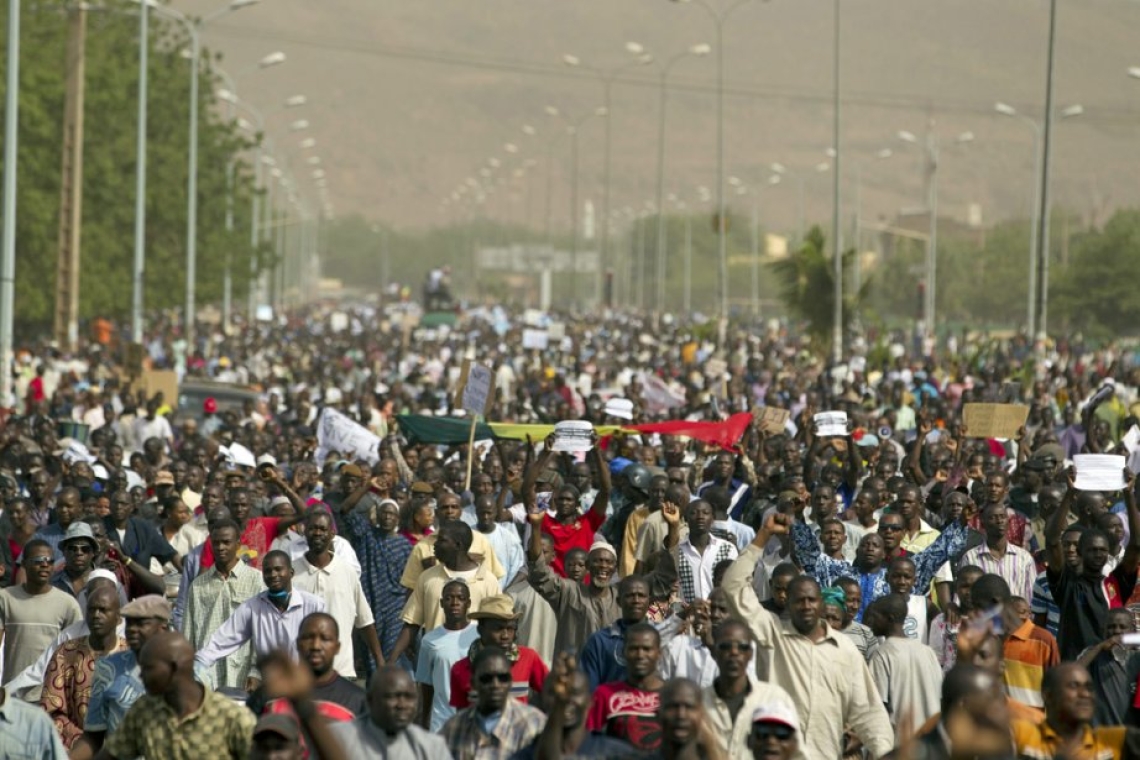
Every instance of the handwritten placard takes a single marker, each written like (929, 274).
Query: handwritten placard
(772, 419)
(994, 420)
(475, 391)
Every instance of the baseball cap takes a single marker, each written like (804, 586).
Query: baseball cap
(282, 725)
(164, 478)
(777, 712)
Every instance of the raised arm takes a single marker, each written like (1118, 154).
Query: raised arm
(950, 542)
(602, 499)
(1131, 559)
(1055, 556)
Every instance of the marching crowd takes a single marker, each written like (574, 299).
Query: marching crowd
(220, 582)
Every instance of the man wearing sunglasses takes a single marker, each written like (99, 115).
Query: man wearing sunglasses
(79, 550)
(775, 733)
(736, 693)
(496, 726)
(32, 614)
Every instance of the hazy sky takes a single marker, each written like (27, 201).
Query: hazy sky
(407, 98)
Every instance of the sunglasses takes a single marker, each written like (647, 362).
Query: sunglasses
(39, 561)
(488, 678)
(766, 730)
(78, 548)
(891, 528)
(733, 646)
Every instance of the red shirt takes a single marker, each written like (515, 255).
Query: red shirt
(577, 535)
(626, 713)
(255, 540)
(527, 673)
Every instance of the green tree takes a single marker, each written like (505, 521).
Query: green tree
(807, 286)
(1097, 291)
(107, 243)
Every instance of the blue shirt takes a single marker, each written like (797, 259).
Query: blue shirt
(602, 658)
(115, 686)
(26, 731)
(439, 650)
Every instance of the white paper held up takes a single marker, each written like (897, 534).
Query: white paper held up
(1099, 472)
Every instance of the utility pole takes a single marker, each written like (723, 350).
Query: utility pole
(66, 327)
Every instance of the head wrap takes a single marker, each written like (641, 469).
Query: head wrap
(834, 595)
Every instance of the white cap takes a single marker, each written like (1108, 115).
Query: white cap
(777, 712)
(620, 407)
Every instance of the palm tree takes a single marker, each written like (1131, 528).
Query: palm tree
(807, 287)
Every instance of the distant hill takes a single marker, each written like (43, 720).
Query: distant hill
(409, 97)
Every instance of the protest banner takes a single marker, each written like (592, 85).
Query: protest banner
(474, 393)
(772, 419)
(336, 432)
(994, 420)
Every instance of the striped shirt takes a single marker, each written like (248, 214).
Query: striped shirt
(1016, 567)
(211, 601)
(470, 735)
(1043, 604)
(1029, 652)
(1041, 742)
(695, 570)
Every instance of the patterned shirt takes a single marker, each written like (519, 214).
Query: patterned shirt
(212, 601)
(626, 713)
(383, 558)
(469, 738)
(695, 570)
(827, 570)
(220, 728)
(116, 685)
(67, 685)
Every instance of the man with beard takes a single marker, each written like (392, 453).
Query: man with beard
(389, 730)
(32, 614)
(822, 670)
(581, 608)
(627, 709)
(496, 724)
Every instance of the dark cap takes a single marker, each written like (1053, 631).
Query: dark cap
(282, 725)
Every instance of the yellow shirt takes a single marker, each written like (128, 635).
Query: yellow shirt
(1041, 742)
(424, 549)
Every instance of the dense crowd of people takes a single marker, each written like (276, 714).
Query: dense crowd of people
(182, 582)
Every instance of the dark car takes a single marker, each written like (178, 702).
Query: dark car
(192, 395)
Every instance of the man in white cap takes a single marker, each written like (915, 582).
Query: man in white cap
(775, 732)
(581, 609)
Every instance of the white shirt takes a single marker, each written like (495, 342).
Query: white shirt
(295, 545)
(339, 585)
(701, 565)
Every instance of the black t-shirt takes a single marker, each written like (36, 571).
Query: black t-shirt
(338, 700)
(1084, 604)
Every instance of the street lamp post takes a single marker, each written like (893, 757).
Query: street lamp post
(193, 29)
(932, 156)
(699, 49)
(8, 251)
(719, 20)
(607, 76)
(138, 265)
(1038, 162)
